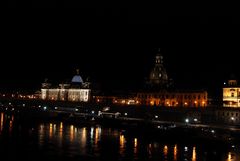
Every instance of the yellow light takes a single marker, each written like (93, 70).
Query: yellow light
(229, 156)
(71, 133)
(175, 153)
(195, 102)
(121, 144)
(50, 130)
(194, 158)
(122, 140)
(165, 151)
(135, 145)
(135, 142)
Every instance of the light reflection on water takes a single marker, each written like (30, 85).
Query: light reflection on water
(59, 139)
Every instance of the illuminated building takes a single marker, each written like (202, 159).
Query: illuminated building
(77, 90)
(173, 98)
(158, 78)
(159, 90)
(231, 94)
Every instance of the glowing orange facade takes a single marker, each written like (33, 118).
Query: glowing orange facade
(178, 98)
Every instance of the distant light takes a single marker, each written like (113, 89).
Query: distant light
(195, 119)
(76, 109)
(213, 131)
(232, 118)
(125, 114)
(45, 107)
(185, 148)
(224, 83)
(93, 112)
(56, 108)
(187, 120)
(156, 116)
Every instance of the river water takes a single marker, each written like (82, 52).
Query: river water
(57, 140)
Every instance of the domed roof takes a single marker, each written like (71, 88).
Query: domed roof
(77, 79)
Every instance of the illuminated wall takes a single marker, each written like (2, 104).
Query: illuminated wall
(78, 95)
(186, 99)
(231, 94)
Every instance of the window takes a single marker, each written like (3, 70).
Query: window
(232, 94)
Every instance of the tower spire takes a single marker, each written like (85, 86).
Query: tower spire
(77, 70)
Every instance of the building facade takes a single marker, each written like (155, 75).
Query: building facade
(231, 94)
(161, 93)
(77, 91)
(173, 98)
(158, 78)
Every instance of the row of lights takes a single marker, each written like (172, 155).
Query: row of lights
(185, 103)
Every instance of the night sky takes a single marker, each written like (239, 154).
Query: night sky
(116, 49)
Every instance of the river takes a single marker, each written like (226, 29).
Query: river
(58, 140)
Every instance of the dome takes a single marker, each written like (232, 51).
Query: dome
(77, 79)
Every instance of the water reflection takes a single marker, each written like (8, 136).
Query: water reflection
(50, 131)
(60, 134)
(229, 157)
(2, 119)
(83, 137)
(175, 153)
(194, 158)
(71, 133)
(121, 145)
(59, 139)
(165, 151)
(135, 146)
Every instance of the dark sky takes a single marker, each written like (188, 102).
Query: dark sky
(117, 48)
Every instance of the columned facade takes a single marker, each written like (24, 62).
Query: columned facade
(77, 91)
(231, 94)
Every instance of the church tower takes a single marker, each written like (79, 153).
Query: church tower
(158, 77)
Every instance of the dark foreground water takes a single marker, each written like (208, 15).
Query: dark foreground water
(56, 140)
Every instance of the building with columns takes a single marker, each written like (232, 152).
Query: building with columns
(231, 94)
(77, 90)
